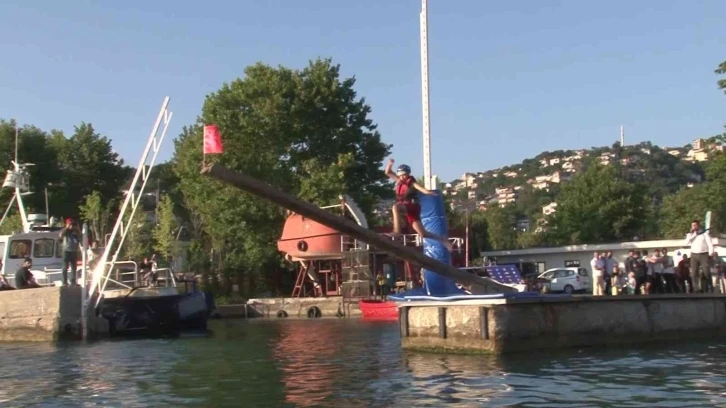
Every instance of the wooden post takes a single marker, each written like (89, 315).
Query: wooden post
(246, 183)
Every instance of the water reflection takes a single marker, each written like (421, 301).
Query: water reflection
(347, 363)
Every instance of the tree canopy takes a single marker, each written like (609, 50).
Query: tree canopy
(69, 168)
(305, 131)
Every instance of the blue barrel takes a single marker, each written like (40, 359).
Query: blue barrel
(433, 218)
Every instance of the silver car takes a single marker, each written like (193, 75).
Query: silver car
(568, 280)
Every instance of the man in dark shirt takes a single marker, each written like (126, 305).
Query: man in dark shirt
(640, 269)
(71, 243)
(24, 278)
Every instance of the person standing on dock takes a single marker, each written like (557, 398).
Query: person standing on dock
(701, 250)
(669, 272)
(71, 244)
(640, 270)
(597, 264)
(406, 202)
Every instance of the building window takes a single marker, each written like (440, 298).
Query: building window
(44, 248)
(20, 249)
(541, 267)
(571, 264)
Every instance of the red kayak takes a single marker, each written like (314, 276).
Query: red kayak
(373, 309)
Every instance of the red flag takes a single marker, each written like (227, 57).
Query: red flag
(212, 140)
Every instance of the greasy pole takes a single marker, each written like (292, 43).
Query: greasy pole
(246, 183)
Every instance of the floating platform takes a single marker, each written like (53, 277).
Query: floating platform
(332, 306)
(500, 325)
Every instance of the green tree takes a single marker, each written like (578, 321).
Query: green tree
(13, 223)
(598, 206)
(721, 70)
(166, 226)
(88, 163)
(501, 227)
(692, 203)
(138, 243)
(98, 214)
(680, 208)
(285, 127)
(33, 148)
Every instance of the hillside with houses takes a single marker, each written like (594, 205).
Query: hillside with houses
(528, 193)
(548, 170)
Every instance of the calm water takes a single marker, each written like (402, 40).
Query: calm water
(347, 363)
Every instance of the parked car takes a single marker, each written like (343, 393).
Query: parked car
(568, 280)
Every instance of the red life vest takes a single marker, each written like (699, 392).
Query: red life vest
(405, 192)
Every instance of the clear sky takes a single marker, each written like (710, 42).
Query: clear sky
(509, 79)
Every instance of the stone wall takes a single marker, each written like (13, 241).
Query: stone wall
(536, 324)
(44, 314)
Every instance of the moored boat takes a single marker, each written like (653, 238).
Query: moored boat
(374, 309)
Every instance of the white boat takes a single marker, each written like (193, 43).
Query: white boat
(115, 286)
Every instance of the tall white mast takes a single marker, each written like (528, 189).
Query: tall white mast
(425, 95)
(622, 136)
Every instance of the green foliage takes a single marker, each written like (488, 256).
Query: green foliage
(70, 169)
(304, 131)
(87, 163)
(13, 223)
(598, 206)
(166, 226)
(501, 227)
(692, 203)
(98, 214)
(721, 70)
(138, 243)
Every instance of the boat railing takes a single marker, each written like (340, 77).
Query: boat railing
(127, 279)
(166, 275)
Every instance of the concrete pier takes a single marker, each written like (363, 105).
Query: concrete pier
(45, 314)
(333, 306)
(502, 326)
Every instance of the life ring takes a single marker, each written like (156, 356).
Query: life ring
(282, 314)
(314, 312)
(302, 246)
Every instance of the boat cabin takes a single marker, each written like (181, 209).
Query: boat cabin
(41, 244)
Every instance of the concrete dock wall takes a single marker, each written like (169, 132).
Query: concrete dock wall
(45, 314)
(504, 326)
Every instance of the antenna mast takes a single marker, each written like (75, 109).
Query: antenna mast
(425, 95)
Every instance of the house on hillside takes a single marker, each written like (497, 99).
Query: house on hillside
(698, 153)
(506, 195)
(549, 208)
(510, 174)
(468, 179)
(606, 158)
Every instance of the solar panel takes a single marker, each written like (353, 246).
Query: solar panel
(506, 274)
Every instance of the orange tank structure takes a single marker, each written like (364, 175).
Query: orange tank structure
(333, 264)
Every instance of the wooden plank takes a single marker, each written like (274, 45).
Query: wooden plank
(479, 285)
(442, 322)
(403, 321)
(484, 322)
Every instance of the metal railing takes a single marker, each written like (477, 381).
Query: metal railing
(127, 279)
(167, 278)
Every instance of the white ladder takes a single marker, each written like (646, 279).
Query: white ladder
(121, 228)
